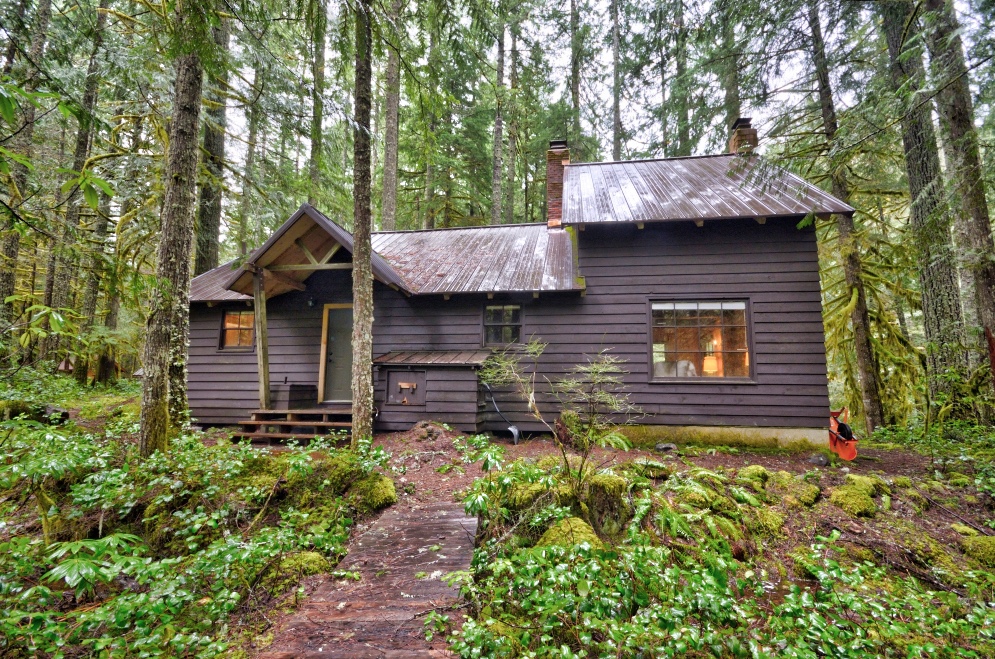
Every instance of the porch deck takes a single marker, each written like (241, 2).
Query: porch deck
(269, 425)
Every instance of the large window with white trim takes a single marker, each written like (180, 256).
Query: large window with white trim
(700, 339)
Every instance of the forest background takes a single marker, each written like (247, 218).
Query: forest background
(138, 134)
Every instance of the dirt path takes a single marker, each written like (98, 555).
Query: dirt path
(401, 558)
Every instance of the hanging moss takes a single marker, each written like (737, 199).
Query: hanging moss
(981, 549)
(373, 493)
(568, 532)
(854, 500)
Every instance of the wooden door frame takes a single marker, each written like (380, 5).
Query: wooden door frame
(324, 345)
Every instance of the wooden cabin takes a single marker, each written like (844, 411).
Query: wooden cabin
(699, 272)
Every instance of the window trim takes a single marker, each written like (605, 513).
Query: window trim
(750, 342)
(484, 325)
(221, 333)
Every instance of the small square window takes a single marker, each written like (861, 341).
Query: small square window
(238, 330)
(700, 340)
(502, 324)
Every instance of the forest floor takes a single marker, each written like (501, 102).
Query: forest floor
(921, 521)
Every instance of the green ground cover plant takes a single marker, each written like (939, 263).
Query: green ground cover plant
(103, 554)
(670, 559)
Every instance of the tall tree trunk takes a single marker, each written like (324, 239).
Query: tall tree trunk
(929, 217)
(428, 196)
(575, 54)
(62, 258)
(10, 238)
(848, 246)
(972, 222)
(14, 35)
(497, 168)
(509, 196)
(92, 276)
(362, 273)
(616, 84)
(681, 91)
(730, 64)
(248, 179)
(164, 357)
(209, 211)
(393, 104)
(662, 46)
(320, 24)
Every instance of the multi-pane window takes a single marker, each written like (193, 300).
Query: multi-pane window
(502, 324)
(237, 332)
(700, 339)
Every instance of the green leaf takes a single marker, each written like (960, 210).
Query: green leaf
(583, 587)
(90, 195)
(7, 109)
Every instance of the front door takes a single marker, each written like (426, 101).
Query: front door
(337, 367)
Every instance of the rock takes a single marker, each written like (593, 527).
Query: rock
(56, 416)
(664, 448)
(819, 460)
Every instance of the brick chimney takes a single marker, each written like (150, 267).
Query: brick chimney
(744, 136)
(557, 156)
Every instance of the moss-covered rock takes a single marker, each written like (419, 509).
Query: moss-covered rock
(724, 506)
(522, 495)
(765, 522)
(608, 504)
(964, 529)
(795, 490)
(915, 498)
(754, 473)
(981, 549)
(854, 500)
(372, 493)
(568, 532)
(288, 572)
(902, 481)
(870, 485)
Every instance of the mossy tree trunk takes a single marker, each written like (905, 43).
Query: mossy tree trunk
(362, 272)
(164, 356)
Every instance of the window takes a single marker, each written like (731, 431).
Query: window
(237, 332)
(502, 324)
(700, 340)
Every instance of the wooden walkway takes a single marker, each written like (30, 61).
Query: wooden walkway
(401, 557)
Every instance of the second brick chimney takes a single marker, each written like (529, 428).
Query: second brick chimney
(744, 136)
(557, 156)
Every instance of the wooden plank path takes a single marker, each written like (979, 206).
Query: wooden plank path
(382, 615)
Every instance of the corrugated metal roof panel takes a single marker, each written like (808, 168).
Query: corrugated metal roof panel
(433, 358)
(210, 286)
(697, 188)
(492, 259)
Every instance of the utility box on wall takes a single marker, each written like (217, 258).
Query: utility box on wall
(405, 387)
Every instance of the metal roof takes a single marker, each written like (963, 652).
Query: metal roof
(277, 250)
(210, 286)
(491, 259)
(433, 358)
(696, 188)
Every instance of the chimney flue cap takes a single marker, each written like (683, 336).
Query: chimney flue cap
(742, 122)
(557, 145)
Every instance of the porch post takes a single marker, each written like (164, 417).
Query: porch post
(262, 336)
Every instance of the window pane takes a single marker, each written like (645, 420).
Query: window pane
(687, 339)
(231, 320)
(492, 334)
(687, 313)
(709, 317)
(736, 365)
(734, 313)
(245, 338)
(231, 338)
(247, 319)
(733, 338)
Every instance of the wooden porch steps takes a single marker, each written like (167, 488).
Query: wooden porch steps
(269, 425)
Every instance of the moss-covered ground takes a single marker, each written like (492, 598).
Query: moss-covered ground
(733, 551)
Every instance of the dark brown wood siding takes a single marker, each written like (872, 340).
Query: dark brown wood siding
(774, 266)
(450, 397)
